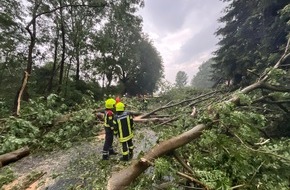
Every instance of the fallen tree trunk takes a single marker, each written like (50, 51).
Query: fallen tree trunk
(124, 177)
(13, 156)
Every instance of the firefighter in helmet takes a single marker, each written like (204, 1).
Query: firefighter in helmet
(124, 127)
(109, 128)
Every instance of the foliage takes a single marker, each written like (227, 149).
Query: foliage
(74, 48)
(106, 44)
(251, 40)
(12, 57)
(161, 168)
(18, 133)
(128, 57)
(202, 79)
(224, 156)
(6, 176)
(232, 152)
(37, 129)
(181, 79)
(150, 70)
(275, 75)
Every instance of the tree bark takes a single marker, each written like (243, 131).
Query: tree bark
(123, 178)
(49, 87)
(13, 156)
(63, 48)
(23, 88)
(32, 34)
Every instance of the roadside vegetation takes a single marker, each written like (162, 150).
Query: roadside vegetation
(228, 129)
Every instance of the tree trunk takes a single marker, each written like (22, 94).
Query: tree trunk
(23, 88)
(78, 65)
(49, 87)
(123, 178)
(32, 34)
(67, 76)
(13, 156)
(63, 49)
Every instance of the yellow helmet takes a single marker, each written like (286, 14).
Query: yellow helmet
(109, 104)
(120, 106)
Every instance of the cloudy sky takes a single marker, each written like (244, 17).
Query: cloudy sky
(183, 32)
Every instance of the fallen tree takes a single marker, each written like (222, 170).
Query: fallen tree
(123, 178)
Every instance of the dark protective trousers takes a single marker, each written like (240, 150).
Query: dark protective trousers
(109, 136)
(127, 149)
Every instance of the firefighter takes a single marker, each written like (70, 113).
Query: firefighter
(124, 127)
(109, 129)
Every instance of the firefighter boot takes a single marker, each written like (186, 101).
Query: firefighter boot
(131, 154)
(105, 155)
(125, 158)
(112, 152)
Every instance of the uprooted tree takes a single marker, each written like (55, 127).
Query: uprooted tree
(219, 115)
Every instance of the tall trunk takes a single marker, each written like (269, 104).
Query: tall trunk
(63, 49)
(3, 70)
(124, 80)
(49, 87)
(23, 88)
(78, 64)
(67, 76)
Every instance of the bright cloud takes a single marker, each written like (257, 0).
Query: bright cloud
(183, 32)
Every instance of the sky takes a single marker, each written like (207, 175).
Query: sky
(183, 32)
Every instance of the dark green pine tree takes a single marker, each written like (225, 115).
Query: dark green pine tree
(251, 39)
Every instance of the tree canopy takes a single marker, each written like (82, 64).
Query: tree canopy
(252, 38)
(181, 79)
(72, 52)
(63, 45)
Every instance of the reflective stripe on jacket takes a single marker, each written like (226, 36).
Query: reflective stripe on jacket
(124, 126)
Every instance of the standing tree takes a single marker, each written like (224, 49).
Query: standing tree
(181, 79)
(252, 38)
(202, 79)
(37, 10)
(11, 56)
(150, 70)
(118, 43)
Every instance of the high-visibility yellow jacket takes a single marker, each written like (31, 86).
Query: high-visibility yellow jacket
(124, 126)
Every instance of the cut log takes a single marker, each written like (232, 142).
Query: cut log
(13, 156)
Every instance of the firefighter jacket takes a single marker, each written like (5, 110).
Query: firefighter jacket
(109, 119)
(124, 126)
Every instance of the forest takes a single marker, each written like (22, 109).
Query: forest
(61, 59)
